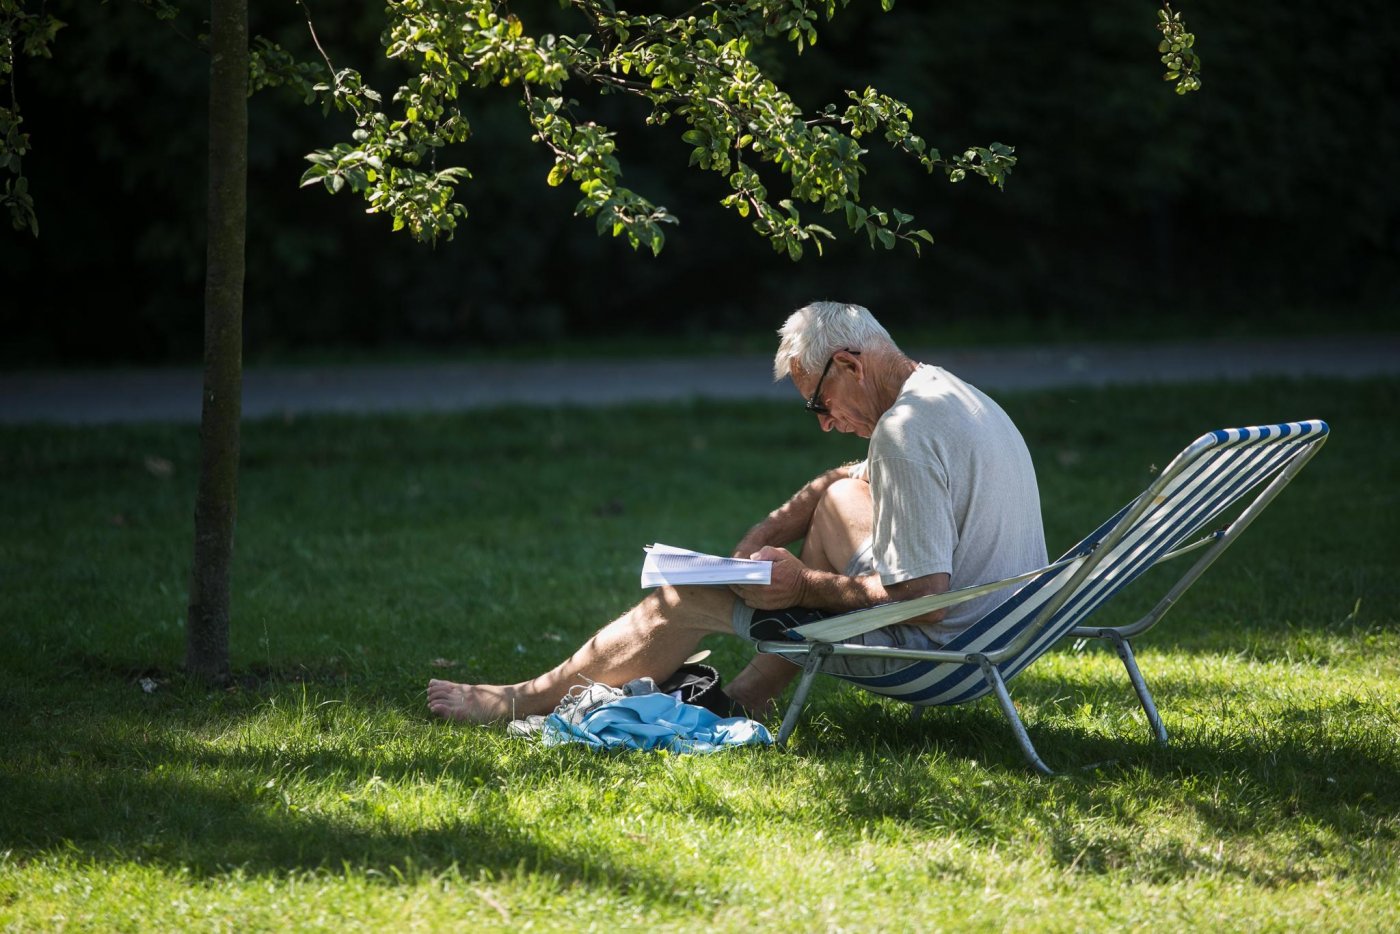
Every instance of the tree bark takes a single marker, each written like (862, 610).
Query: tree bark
(216, 502)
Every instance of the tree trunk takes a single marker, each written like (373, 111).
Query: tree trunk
(216, 503)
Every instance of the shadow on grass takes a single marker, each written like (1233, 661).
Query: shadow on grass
(124, 785)
(129, 778)
(211, 833)
(959, 769)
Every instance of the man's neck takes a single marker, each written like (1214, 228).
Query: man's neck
(890, 374)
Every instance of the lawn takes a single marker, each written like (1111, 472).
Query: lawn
(375, 553)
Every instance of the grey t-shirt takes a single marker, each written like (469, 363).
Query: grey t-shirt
(954, 492)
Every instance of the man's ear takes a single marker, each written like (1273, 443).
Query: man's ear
(854, 364)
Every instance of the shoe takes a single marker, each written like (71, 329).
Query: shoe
(532, 725)
(582, 699)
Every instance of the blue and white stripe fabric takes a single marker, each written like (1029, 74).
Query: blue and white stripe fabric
(1197, 487)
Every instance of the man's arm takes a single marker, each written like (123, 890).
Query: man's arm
(795, 584)
(790, 521)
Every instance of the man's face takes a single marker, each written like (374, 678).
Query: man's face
(840, 393)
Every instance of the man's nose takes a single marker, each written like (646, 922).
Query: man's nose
(827, 422)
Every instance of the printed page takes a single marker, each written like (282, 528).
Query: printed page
(667, 564)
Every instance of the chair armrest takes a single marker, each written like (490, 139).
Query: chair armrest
(856, 622)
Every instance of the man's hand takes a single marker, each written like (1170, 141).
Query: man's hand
(747, 546)
(788, 586)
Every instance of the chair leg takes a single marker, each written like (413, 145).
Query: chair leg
(799, 697)
(1125, 652)
(1008, 709)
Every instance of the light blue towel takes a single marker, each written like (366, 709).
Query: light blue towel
(655, 721)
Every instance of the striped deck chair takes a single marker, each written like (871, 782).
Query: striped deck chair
(1172, 517)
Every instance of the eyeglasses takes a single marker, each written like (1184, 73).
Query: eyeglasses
(814, 403)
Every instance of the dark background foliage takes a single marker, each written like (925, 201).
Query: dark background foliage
(1267, 197)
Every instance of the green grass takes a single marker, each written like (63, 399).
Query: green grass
(375, 553)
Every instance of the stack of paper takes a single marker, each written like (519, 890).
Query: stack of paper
(666, 564)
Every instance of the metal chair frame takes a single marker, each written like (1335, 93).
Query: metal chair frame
(1089, 557)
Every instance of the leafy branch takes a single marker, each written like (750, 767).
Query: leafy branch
(697, 67)
(1177, 48)
(32, 34)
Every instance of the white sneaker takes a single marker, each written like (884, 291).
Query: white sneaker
(582, 699)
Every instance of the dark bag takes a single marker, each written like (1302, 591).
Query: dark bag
(698, 684)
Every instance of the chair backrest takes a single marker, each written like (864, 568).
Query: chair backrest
(1214, 472)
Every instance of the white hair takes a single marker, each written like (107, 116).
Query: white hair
(813, 333)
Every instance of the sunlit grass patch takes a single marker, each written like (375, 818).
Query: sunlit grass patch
(315, 793)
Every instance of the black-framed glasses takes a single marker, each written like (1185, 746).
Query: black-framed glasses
(814, 402)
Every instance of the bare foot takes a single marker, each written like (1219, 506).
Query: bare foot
(758, 686)
(756, 706)
(470, 703)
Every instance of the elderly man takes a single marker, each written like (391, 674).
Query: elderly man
(946, 498)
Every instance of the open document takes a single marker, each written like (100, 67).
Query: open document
(666, 564)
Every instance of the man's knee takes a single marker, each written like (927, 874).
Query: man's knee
(849, 493)
(840, 525)
(847, 502)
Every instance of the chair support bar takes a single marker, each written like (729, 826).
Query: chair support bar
(870, 651)
(1201, 543)
(1125, 652)
(818, 652)
(1008, 710)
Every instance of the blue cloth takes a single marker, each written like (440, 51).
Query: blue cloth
(655, 721)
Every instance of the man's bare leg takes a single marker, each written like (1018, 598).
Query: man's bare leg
(841, 524)
(653, 638)
(762, 680)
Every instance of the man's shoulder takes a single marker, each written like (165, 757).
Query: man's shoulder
(943, 417)
(934, 398)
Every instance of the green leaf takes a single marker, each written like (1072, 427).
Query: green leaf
(699, 68)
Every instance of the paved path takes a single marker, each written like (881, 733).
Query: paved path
(96, 397)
